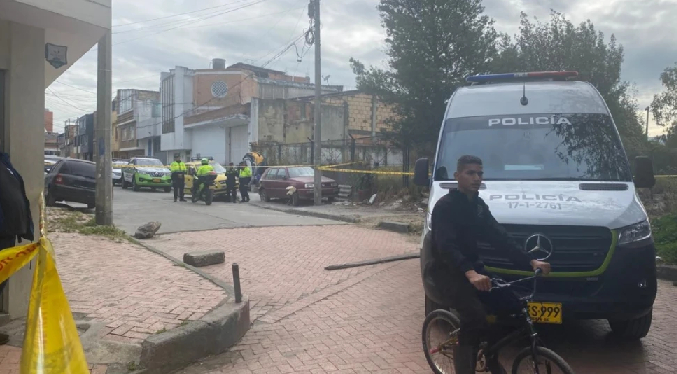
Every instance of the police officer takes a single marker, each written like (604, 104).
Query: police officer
(202, 173)
(245, 178)
(178, 169)
(231, 175)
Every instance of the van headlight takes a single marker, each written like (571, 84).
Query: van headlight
(634, 233)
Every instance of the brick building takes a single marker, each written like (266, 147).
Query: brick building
(49, 121)
(208, 112)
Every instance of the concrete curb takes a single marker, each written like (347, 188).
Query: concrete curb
(667, 272)
(334, 217)
(394, 226)
(213, 334)
(217, 331)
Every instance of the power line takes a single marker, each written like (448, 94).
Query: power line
(59, 97)
(188, 21)
(175, 15)
(183, 23)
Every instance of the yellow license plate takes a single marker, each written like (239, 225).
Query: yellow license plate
(157, 180)
(545, 312)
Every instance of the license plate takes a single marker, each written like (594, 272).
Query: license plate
(545, 312)
(157, 180)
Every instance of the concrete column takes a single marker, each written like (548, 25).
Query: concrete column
(24, 106)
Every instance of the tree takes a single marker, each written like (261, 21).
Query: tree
(664, 106)
(432, 46)
(560, 45)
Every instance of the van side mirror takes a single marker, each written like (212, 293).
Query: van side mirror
(644, 174)
(421, 172)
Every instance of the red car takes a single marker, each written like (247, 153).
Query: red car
(275, 180)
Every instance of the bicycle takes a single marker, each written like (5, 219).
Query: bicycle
(536, 351)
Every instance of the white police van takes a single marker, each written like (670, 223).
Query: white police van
(557, 176)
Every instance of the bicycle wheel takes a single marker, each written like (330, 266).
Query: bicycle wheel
(547, 362)
(440, 334)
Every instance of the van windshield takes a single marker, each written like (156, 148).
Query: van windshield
(536, 147)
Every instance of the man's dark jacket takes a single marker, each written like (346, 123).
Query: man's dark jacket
(13, 201)
(458, 224)
(231, 173)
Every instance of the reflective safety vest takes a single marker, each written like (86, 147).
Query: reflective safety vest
(245, 172)
(177, 167)
(204, 170)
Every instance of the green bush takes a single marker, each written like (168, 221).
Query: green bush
(665, 236)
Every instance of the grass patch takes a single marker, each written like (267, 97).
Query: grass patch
(62, 220)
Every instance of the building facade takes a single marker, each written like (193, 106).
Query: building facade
(138, 124)
(39, 41)
(193, 100)
(49, 120)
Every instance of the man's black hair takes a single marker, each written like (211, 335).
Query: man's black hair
(466, 160)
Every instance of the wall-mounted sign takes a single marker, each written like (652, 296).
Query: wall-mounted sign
(56, 54)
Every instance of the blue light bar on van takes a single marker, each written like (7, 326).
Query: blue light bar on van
(520, 76)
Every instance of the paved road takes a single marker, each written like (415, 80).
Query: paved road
(368, 319)
(133, 209)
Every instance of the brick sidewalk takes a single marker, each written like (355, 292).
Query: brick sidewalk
(369, 319)
(282, 265)
(133, 291)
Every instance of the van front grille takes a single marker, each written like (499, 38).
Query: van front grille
(574, 248)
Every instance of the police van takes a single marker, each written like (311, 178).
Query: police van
(557, 177)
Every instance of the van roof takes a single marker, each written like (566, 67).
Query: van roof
(544, 97)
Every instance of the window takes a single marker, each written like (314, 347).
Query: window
(562, 147)
(82, 169)
(167, 93)
(301, 172)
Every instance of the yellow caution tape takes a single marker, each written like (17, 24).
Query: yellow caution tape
(365, 171)
(51, 342)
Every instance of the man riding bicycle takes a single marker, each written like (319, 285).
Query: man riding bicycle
(459, 220)
(202, 173)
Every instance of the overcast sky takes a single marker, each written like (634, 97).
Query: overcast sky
(256, 31)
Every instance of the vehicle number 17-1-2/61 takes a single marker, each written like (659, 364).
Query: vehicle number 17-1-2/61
(534, 205)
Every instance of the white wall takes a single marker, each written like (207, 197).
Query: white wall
(95, 12)
(24, 53)
(209, 141)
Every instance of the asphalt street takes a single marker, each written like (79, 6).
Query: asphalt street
(133, 209)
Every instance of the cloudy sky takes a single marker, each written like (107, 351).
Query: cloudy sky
(150, 36)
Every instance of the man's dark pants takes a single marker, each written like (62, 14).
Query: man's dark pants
(178, 183)
(232, 192)
(472, 306)
(244, 185)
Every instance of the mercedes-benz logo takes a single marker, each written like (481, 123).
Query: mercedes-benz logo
(539, 245)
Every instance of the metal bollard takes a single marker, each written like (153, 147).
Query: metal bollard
(236, 283)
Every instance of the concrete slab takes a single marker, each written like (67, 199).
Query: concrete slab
(200, 259)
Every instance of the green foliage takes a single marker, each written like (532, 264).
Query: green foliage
(432, 46)
(665, 236)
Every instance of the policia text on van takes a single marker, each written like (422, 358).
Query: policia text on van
(556, 174)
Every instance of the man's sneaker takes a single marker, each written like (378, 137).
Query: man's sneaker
(4, 338)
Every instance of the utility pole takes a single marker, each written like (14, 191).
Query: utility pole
(318, 104)
(102, 134)
(647, 123)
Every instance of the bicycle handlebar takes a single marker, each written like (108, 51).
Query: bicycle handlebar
(500, 283)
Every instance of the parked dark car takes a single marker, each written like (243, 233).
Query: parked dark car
(71, 180)
(275, 180)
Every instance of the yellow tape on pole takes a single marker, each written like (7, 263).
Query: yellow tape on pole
(51, 342)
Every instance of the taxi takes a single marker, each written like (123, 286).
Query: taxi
(220, 189)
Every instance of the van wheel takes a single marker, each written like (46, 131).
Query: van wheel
(633, 329)
(430, 305)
